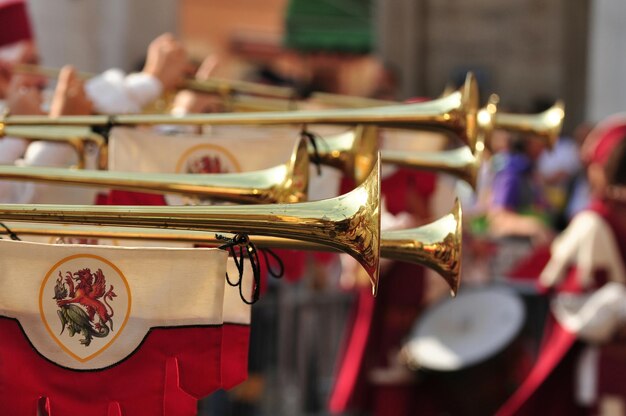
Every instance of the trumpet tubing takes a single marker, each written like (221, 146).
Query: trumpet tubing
(436, 245)
(546, 125)
(213, 85)
(353, 152)
(350, 223)
(286, 183)
(74, 136)
(460, 162)
(455, 112)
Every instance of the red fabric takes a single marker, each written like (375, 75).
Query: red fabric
(379, 327)
(14, 22)
(611, 374)
(605, 138)
(603, 209)
(235, 342)
(543, 380)
(553, 374)
(380, 324)
(531, 267)
(134, 198)
(235, 337)
(398, 188)
(165, 376)
(353, 351)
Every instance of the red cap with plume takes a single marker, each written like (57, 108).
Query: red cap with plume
(14, 22)
(603, 139)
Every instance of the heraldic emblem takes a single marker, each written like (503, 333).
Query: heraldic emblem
(82, 298)
(85, 304)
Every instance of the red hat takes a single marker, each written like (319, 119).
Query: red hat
(14, 22)
(603, 139)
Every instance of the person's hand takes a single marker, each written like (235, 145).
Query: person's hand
(69, 96)
(166, 61)
(24, 95)
(190, 102)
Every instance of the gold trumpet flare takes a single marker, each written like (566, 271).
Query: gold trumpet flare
(350, 222)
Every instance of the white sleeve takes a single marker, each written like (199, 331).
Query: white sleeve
(112, 92)
(11, 149)
(587, 243)
(49, 154)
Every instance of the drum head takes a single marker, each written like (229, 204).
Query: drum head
(467, 330)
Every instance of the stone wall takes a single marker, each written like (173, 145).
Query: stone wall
(522, 49)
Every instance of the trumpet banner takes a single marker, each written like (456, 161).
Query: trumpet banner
(109, 330)
(224, 149)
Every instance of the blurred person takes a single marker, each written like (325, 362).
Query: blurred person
(369, 375)
(112, 92)
(578, 192)
(517, 205)
(556, 168)
(17, 45)
(586, 273)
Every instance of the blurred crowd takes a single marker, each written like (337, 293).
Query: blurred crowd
(545, 224)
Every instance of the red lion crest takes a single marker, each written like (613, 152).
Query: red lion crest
(89, 291)
(206, 164)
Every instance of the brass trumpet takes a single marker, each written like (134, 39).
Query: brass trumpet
(546, 125)
(436, 245)
(460, 162)
(223, 87)
(285, 183)
(455, 112)
(76, 137)
(350, 223)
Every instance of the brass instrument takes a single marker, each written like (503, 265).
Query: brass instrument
(460, 162)
(220, 86)
(353, 152)
(455, 112)
(546, 125)
(285, 183)
(75, 136)
(350, 222)
(436, 245)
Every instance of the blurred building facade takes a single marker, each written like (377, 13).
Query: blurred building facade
(528, 51)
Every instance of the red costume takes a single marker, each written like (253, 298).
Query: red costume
(588, 260)
(378, 325)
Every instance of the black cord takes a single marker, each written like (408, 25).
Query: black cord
(246, 247)
(11, 234)
(105, 130)
(313, 139)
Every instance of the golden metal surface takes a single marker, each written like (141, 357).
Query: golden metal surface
(546, 125)
(213, 85)
(75, 136)
(354, 152)
(460, 162)
(436, 245)
(286, 183)
(350, 222)
(455, 112)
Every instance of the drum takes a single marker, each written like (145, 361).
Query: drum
(468, 350)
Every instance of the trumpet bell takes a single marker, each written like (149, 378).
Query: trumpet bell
(353, 152)
(455, 112)
(286, 183)
(436, 245)
(350, 222)
(460, 162)
(546, 125)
